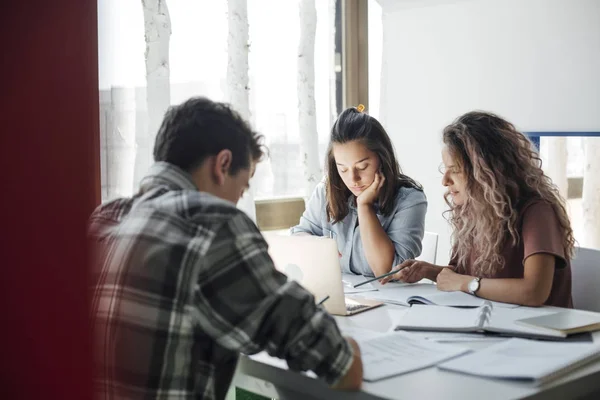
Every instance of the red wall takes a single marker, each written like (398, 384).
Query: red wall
(49, 168)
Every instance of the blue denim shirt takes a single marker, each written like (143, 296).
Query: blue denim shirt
(405, 227)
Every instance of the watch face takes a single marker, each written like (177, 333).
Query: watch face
(473, 286)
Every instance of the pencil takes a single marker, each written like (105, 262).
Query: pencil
(392, 272)
(323, 301)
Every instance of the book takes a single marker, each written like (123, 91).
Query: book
(398, 353)
(485, 318)
(568, 322)
(523, 359)
(407, 294)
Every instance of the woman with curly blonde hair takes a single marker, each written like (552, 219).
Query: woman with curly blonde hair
(512, 239)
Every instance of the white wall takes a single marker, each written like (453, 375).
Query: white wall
(535, 62)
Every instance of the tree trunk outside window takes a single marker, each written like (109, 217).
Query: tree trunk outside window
(238, 82)
(307, 117)
(556, 163)
(157, 26)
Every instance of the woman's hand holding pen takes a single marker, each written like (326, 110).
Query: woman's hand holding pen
(411, 271)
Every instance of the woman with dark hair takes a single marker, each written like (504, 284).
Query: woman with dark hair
(512, 239)
(374, 212)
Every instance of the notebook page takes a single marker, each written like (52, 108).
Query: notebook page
(360, 334)
(349, 289)
(349, 280)
(524, 359)
(568, 321)
(504, 320)
(457, 299)
(398, 353)
(395, 293)
(441, 318)
(427, 293)
(458, 337)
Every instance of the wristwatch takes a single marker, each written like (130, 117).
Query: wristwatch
(474, 286)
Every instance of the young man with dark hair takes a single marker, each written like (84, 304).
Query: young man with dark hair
(184, 282)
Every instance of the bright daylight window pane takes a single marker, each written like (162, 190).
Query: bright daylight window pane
(575, 165)
(198, 62)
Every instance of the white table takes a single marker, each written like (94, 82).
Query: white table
(269, 377)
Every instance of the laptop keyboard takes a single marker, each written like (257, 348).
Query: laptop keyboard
(355, 307)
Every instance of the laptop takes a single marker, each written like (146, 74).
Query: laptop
(313, 262)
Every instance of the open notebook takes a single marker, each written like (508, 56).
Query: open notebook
(525, 360)
(485, 318)
(426, 293)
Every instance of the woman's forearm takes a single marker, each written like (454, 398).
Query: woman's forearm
(506, 290)
(379, 249)
(516, 291)
(533, 289)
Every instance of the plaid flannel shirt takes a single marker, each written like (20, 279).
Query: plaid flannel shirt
(184, 284)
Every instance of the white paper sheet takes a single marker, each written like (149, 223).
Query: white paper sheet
(524, 359)
(398, 353)
(360, 334)
(350, 280)
(457, 337)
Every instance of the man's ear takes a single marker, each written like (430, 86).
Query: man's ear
(222, 165)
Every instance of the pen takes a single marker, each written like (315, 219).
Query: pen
(392, 272)
(323, 301)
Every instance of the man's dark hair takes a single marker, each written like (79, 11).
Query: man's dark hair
(200, 128)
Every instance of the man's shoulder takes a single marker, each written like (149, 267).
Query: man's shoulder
(198, 206)
(188, 210)
(109, 215)
(113, 209)
(199, 209)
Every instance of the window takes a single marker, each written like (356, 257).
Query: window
(198, 66)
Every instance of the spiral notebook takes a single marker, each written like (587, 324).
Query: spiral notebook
(485, 318)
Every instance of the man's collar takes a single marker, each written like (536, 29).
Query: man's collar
(166, 174)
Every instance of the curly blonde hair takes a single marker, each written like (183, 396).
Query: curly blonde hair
(503, 172)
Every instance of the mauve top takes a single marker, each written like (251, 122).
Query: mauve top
(540, 232)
